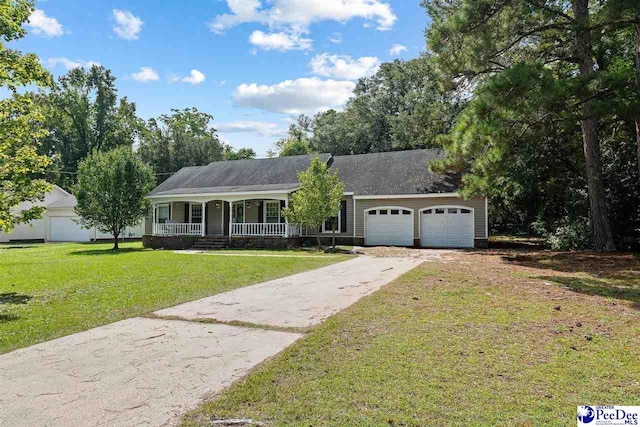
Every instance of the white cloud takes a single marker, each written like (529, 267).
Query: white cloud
(302, 13)
(195, 77)
(260, 128)
(281, 41)
(397, 49)
(335, 38)
(69, 64)
(306, 95)
(44, 25)
(128, 26)
(146, 74)
(343, 66)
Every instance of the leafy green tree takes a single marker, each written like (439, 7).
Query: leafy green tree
(21, 122)
(400, 107)
(84, 114)
(111, 190)
(182, 138)
(545, 57)
(318, 198)
(241, 153)
(297, 141)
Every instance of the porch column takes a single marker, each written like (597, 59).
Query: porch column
(153, 223)
(204, 208)
(230, 219)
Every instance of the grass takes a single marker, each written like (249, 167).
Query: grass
(489, 339)
(48, 291)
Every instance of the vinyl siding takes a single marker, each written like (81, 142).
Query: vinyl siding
(478, 204)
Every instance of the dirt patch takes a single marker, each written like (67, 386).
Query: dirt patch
(442, 255)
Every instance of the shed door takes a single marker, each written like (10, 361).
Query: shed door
(446, 227)
(389, 227)
(64, 229)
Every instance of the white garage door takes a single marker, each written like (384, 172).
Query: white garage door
(389, 227)
(64, 229)
(446, 227)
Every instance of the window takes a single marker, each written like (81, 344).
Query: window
(272, 212)
(327, 226)
(196, 214)
(452, 210)
(395, 212)
(162, 214)
(238, 213)
(373, 212)
(465, 211)
(439, 211)
(405, 212)
(428, 212)
(383, 211)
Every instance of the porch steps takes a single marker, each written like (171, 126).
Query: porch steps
(211, 243)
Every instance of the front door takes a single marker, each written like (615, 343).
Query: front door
(238, 213)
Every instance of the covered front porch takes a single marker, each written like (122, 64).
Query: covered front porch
(223, 217)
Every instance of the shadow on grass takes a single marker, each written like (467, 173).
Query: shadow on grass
(617, 265)
(109, 251)
(14, 298)
(626, 290)
(6, 317)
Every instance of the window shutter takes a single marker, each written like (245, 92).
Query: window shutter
(343, 216)
(260, 212)
(187, 206)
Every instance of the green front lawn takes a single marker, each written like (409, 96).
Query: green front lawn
(490, 339)
(47, 291)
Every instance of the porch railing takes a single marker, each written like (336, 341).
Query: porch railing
(265, 229)
(177, 229)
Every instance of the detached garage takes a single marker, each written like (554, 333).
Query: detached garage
(60, 223)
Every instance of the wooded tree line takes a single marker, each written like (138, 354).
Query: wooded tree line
(536, 102)
(83, 114)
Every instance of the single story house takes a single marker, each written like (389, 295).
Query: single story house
(390, 199)
(59, 223)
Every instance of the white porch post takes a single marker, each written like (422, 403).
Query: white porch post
(204, 205)
(153, 223)
(230, 219)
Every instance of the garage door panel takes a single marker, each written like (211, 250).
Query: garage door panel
(385, 228)
(447, 227)
(65, 229)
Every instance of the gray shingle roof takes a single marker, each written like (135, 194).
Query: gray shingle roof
(398, 172)
(390, 173)
(277, 174)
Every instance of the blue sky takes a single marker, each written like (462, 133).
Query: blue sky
(252, 64)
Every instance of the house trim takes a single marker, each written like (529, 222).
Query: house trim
(407, 196)
(221, 196)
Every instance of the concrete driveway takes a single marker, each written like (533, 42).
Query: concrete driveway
(301, 300)
(149, 372)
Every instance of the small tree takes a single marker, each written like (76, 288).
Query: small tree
(319, 197)
(111, 190)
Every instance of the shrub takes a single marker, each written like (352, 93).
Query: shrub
(571, 236)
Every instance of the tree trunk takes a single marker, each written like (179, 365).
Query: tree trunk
(638, 83)
(333, 234)
(318, 238)
(602, 235)
(115, 241)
